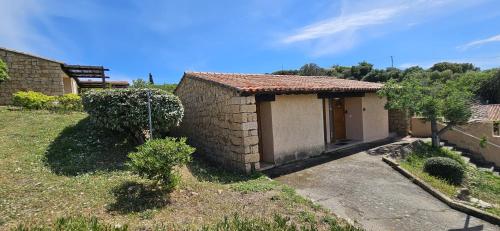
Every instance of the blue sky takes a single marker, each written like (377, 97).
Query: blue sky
(166, 38)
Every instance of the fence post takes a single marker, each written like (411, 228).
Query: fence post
(149, 115)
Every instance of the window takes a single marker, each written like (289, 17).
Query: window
(496, 129)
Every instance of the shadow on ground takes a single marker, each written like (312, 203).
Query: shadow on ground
(137, 197)
(327, 157)
(83, 148)
(206, 170)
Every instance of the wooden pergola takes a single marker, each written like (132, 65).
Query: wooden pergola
(78, 72)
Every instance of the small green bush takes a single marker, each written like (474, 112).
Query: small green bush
(445, 168)
(33, 100)
(126, 110)
(4, 71)
(69, 102)
(159, 160)
(74, 223)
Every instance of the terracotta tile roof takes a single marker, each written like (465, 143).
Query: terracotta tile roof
(266, 83)
(490, 112)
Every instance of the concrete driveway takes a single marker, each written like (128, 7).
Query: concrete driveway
(362, 188)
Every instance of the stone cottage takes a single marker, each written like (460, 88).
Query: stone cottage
(51, 77)
(256, 121)
(30, 72)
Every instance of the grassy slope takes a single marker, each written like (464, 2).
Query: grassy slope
(55, 165)
(483, 185)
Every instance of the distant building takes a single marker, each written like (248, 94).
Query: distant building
(51, 77)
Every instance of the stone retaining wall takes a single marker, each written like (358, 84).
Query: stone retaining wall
(30, 73)
(221, 124)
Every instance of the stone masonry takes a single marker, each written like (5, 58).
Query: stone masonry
(399, 122)
(28, 72)
(220, 123)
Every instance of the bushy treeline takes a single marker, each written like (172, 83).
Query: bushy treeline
(487, 82)
(141, 83)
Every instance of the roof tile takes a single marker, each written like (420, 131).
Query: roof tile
(266, 83)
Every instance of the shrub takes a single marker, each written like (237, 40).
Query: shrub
(157, 160)
(126, 110)
(445, 168)
(4, 71)
(69, 102)
(33, 100)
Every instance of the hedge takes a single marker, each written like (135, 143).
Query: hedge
(126, 110)
(445, 168)
(36, 101)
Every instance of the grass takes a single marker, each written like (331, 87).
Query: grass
(56, 169)
(482, 185)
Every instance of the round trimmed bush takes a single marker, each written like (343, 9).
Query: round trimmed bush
(126, 110)
(445, 168)
(159, 160)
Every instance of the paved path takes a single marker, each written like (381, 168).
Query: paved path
(362, 188)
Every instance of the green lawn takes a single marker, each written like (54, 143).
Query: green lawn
(483, 185)
(57, 165)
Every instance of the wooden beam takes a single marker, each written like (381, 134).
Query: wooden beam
(323, 95)
(265, 97)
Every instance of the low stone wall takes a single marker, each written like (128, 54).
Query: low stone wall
(399, 122)
(221, 124)
(30, 73)
(465, 136)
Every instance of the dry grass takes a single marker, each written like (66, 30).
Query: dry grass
(57, 165)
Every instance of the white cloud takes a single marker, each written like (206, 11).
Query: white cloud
(362, 20)
(351, 22)
(480, 42)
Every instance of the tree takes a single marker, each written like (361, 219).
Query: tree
(454, 67)
(4, 71)
(432, 99)
(311, 69)
(151, 79)
(140, 83)
(489, 90)
(362, 69)
(286, 72)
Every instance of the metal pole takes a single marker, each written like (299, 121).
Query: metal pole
(149, 116)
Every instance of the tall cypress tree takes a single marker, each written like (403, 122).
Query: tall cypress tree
(151, 79)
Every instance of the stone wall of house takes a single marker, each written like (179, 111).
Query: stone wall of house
(399, 122)
(221, 124)
(30, 73)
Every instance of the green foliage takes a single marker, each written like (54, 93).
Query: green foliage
(286, 72)
(432, 99)
(454, 67)
(311, 69)
(75, 224)
(445, 168)
(140, 83)
(157, 160)
(277, 223)
(489, 90)
(483, 142)
(4, 71)
(69, 102)
(361, 70)
(126, 110)
(259, 184)
(36, 101)
(33, 100)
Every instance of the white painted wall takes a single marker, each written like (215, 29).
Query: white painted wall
(297, 127)
(375, 118)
